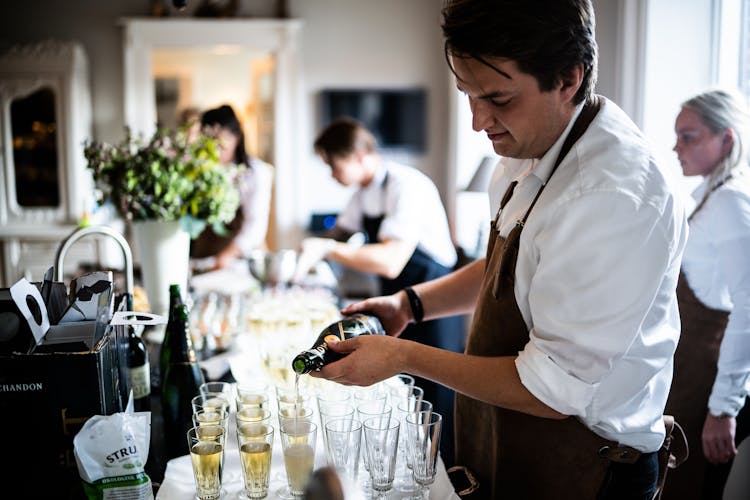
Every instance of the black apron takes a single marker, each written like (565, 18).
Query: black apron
(444, 333)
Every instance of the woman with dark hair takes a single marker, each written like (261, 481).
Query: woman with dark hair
(248, 229)
(712, 363)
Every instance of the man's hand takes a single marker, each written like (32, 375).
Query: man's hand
(369, 359)
(392, 310)
(313, 251)
(718, 438)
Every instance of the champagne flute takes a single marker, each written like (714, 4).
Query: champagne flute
(423, 442)
(298, 444)
(206, 444)
(344, 440)
(255, 442)
(381, 446)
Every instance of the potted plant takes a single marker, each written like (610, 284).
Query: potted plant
(169, 187)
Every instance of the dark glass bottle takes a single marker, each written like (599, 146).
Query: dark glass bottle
(139, 373)
(182, 381)
(168, 343)
(347, 327)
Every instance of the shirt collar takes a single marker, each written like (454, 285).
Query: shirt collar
(542, 168)
(377, 179)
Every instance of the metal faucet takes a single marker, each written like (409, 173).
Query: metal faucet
(100, 230)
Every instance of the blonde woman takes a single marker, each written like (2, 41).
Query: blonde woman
(712, 361)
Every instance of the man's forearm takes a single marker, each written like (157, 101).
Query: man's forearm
(494, 380)
(455, 293)
(384, 259)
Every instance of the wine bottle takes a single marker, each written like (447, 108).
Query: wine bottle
(139, 373)
(182, 382)
(169, 343)
(347, 327)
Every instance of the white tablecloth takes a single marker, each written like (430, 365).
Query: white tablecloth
(178, 481)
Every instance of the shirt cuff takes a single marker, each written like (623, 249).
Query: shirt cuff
(552, 385)
(728, 395)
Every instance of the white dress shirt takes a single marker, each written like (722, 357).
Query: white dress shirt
(255, 199)
(596, 277)
(717, 268)
(412, 208)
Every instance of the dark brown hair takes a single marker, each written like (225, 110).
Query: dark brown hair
(545, 38)
(343, 137)
(225, 117)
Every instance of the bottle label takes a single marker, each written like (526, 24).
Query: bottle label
(140, 381)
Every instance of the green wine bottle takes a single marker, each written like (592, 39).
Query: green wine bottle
(182, 382)
(347, 327)
(169, 343)
(139, 374)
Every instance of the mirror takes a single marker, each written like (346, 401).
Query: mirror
(35, 154)
(200, 78)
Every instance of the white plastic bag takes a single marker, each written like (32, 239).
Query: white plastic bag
(111, 453)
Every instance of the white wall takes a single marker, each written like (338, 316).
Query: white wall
(678, 65)
(361, 43)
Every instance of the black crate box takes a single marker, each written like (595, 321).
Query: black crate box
(45, 399)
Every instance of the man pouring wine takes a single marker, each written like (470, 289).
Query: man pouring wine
(569, 357)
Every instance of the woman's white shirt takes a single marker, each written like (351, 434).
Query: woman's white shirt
(256, 186)
(717, 267)
(596, 277)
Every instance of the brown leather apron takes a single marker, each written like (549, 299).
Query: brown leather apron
(513, 454)
(695, 366)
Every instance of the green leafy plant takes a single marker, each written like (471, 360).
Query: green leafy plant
(167, 177)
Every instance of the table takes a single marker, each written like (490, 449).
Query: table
(178, 479)
(242, 363)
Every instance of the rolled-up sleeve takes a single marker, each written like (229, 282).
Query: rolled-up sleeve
(537, 370)
(595, 271)
(732, 233)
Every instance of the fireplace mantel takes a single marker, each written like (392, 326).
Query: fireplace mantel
(277, 36)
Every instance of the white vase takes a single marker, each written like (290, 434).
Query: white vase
(164, 252)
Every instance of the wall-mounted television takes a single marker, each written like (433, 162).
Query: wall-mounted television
(397, 117)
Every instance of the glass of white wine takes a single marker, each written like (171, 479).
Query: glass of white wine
(252, 416)
(253, 395)
(210, 416)
(298, 440)
(255, 442)
(206, 445)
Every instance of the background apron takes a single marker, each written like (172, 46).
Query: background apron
(444, 333)
(695, 367)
